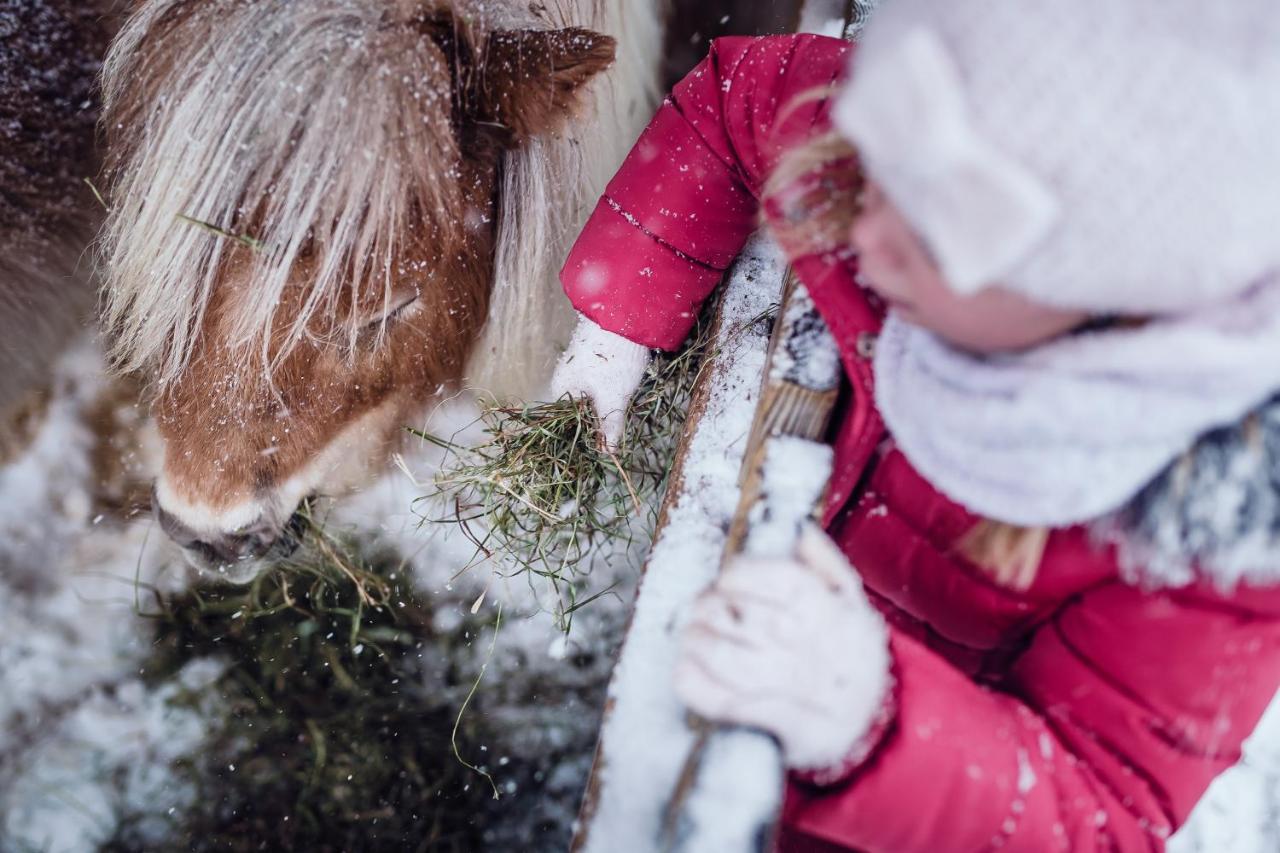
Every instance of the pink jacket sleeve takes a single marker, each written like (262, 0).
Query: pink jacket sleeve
(1102, 737)
(687, 197)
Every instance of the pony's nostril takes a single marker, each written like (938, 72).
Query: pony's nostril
(248, 543)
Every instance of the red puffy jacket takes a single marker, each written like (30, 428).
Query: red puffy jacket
(1081, 714)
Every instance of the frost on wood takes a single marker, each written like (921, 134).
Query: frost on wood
(645, 739)
(859, 13)
(828, 17)
(809, 357)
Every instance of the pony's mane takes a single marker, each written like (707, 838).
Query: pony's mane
(312, 130)
(550, 186)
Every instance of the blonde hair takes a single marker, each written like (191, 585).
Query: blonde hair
(813, 197)
(813, 194)
(1010, 555)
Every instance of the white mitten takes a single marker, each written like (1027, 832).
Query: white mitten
(793, 647)
(606, 369)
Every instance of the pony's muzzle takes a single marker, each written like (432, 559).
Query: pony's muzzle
(237, 556)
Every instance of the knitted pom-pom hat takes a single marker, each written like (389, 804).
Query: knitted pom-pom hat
(1106, 155)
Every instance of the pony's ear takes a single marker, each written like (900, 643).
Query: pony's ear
(531, 81)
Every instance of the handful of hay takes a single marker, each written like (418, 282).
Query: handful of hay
(541, 496)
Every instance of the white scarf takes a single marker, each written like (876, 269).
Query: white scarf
(1071, 430)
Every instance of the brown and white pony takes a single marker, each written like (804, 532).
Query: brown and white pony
(50, 56)
(325, 212)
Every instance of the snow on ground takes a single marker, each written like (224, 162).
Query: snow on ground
(544, 690)
(1240, 813)
(108, 753)
(76, 725)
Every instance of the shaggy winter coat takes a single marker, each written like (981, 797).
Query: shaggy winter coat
(50, 56)
(1088, 712)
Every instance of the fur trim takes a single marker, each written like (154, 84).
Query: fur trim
(1215, 512)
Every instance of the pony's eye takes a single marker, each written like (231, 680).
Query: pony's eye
(392, 312)
(375, 326)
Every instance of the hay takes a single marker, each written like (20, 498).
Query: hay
(329, 734)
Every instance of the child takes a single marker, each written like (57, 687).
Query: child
(1057, 467)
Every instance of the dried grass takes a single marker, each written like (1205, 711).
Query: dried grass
(539, 496)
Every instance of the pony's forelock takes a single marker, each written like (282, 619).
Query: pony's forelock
(311, 134)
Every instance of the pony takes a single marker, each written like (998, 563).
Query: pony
(325, 214)
(50, 54)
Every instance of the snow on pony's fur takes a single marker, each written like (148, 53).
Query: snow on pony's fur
(287, 178)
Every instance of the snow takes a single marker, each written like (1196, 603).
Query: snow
(747, 767)
(84, 742)
(824, 17)
(792, 480)
(80, 737)
(1240, 813)
(645, 739)
(1215, 514)
(45, 489)
(543, 691)
(1026, 774)
(809, 357)
(125, 735)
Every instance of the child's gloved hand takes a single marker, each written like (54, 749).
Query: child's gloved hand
(793, 647)
(606, 369)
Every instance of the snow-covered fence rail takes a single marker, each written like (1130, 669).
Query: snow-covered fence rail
(662, 780)
(645, 737)
(746, 476)
(729, 791)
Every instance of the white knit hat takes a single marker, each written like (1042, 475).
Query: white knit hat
(1106, 155)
